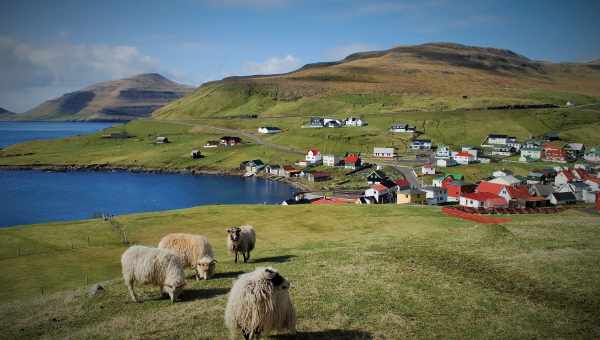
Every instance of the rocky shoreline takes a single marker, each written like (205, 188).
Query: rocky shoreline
(140, 169)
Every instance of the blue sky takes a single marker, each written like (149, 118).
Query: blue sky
(51, 47)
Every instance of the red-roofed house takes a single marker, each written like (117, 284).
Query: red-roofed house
(352, 161)
(516, 196)
(464, 157)
(482, 200)
(402, 183)
(554, 153)
(381, 193)
(458, 188)
(313, 156)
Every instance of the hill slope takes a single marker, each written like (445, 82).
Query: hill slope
(5, 113)
(123, 99)
(429, 76)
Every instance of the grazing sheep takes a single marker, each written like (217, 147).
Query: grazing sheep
(194, 250)
(258, 303)
(241, 239)
(154, 266)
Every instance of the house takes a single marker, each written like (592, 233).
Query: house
(428, 169)
(253, 166)
(446, 163)
(501, 173)
(565, 176)
(592, 155)
(211, 144)
(316, 122)
(318, 176)
(352, 161)
(377, 176)
(420, 144)
(534, 177)
(589, 195)
(313, 156)
(435, 195)
(541, 190)
(442, 151)
(464, 158)
(574, 151)
(384, 152)
(483, 200)
(456, 189)
(196, 154)
(471, 150)
(501, 140)
(274, 170)
(562, 198)
(576, 188)
(503, 151)
(268, 129)
(332, 123)
(402, 183)
(441, 181)
(352, 121)
(516, 196)
(230, 140)
(531, 153)
(331, 160)
(411, 196)
(403, 128)
(290, 171)
(381, 192)
(509, 180)
(161, 140)
(554, 153)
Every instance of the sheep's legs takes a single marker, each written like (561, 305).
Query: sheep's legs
(131, 291)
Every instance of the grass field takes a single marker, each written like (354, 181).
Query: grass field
(359, 272)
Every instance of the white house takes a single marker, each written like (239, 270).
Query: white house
(531, 153)
(592, 155)
(464, 157)
(428, 169)
(509, 180)
(471, 150)
(420, 144)
(331, 160)
(445, 163)
(442, 151)
(435, 195)
(313, 156)
(403, 128)
(381, 193)
(268, 129)
(353, 121)
(384, 152)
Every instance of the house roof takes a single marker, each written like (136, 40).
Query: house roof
(455, 176)
(519, 192)
(463, 154)
(351, 158)
(568, 174)
(506, 180)
(379, 187)
(564, 196)
(378, 173)
(485, 197)
(401, 182)
(493, 135)
(542, 189)
(489, 187)
(314, 151)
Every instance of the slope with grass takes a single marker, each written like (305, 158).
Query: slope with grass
(123, 99)
(433, 77)
(359, 272)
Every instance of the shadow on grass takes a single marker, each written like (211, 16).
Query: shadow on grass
(328, 334)
(227, 275)
(199, 294)
(276, 259)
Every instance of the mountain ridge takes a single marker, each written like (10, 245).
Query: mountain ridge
(116, 100)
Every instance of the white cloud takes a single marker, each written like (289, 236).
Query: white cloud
(341, 52)
(272, 65)
(36, 70)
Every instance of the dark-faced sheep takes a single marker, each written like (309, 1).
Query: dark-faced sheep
(241, 240)
(194, 250)
(258, 303)
(154, 266)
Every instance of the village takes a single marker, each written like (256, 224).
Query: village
(569, 173)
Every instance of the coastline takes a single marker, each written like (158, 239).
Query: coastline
(141, 169)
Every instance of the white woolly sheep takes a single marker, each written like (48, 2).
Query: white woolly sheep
(194, 250)
(258, 303)
(241, 239)
(154, 266)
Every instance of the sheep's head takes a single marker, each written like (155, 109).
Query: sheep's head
(206, 267)
(173, 289)
(234, 233)
(279, 282)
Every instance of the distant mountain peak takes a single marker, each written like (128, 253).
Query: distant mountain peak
(4, 111)
(150, 76)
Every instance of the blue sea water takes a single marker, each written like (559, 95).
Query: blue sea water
(19, 132)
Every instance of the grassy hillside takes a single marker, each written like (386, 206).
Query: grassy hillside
(428, 77)
(359, 272)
